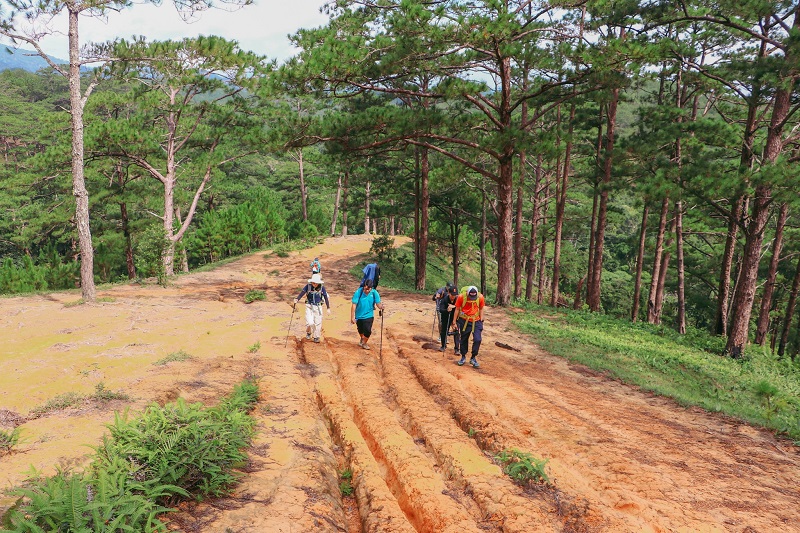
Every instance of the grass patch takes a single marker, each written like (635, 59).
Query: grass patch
(75, 303)
(253, 348)
(143, 468)
(523, 468)
(8, 439)
(254, 295)
(346, 482)
(180, 355)
(102, 394)
(760, 389)
(58, 403)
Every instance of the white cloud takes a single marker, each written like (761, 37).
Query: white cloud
(262, 27)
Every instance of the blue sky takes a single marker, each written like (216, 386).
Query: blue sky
(262, 27)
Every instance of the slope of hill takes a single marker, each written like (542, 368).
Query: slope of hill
(29, 60)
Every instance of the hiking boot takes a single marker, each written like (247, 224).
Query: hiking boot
(365, 346)
(316, 339)
(462, 361)
(441, 349)
(474, 363)
(308, 336)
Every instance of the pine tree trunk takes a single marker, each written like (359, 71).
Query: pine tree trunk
(303, 191)
(366, 208)
(662, 275)
(126, 233)
(88, 291)
(543, 245)
(483, 242)
(534, 232)
(425, 200)
(724, 290)
(790, 306)
(561, 203)
(637, 287)
(592, 229)
(772, 274)
(680, 267)
(336, 205)
(518, 229)
(657, 256)
(345, 188)
(593, 289)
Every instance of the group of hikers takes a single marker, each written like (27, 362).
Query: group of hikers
(460, 314)
(362, 311)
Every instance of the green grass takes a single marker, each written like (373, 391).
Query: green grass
(523, 468)
(759, 389)
(346, 485)
(253, 348)
(253, 295)
(180, 355)
(8, 439)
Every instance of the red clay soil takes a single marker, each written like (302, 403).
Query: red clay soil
(417, 432)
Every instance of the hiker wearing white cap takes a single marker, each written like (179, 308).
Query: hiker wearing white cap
(469, 320)
(315, 293)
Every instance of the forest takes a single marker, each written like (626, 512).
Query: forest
(636, 159)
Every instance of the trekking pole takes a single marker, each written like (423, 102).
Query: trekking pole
(380, 348)
(290, 327)
(435, 316)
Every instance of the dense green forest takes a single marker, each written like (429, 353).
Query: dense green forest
(631, 158)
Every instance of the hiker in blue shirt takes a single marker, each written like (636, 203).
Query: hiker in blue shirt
(372, 272)
(362, 312)
(315, 293)
(445, 299)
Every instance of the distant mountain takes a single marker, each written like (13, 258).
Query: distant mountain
(25, 59)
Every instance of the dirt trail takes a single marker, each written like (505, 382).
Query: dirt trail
(417, 431)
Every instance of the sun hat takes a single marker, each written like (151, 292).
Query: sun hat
(316, 278)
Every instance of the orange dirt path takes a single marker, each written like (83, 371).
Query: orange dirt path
(418, 432)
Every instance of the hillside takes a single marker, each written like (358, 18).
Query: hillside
(29, 60)
(418, 433)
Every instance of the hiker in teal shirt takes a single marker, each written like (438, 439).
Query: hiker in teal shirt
(362, 312)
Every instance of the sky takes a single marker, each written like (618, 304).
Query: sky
(261, 28)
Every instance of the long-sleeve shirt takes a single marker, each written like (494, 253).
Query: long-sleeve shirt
(315, 296)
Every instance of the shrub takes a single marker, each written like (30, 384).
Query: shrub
(522, 467)
(180, 355)
(151, 245)
(382, 248)
(253, 295)
(8, 439)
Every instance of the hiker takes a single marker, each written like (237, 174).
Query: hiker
(469, 313)
(372, 272)
(445, 299)
(316, 266)
(362, 312)
(315, 292)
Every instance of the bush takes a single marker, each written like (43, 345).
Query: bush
(253, 295)
(168, 454)
(151, 245)
(382, 248)
(8, 439)
(522, 467)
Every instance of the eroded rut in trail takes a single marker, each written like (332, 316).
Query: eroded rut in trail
(419, 434)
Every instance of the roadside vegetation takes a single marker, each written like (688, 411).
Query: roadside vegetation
(143, 468)
(761, 388)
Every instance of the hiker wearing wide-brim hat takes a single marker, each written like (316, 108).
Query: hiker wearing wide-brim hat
(315, 293)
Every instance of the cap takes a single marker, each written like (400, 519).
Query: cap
(473, 291)
(453, 289)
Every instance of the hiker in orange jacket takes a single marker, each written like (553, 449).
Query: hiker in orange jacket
(469, 320)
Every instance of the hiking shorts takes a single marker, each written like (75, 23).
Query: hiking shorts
(364, 326)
